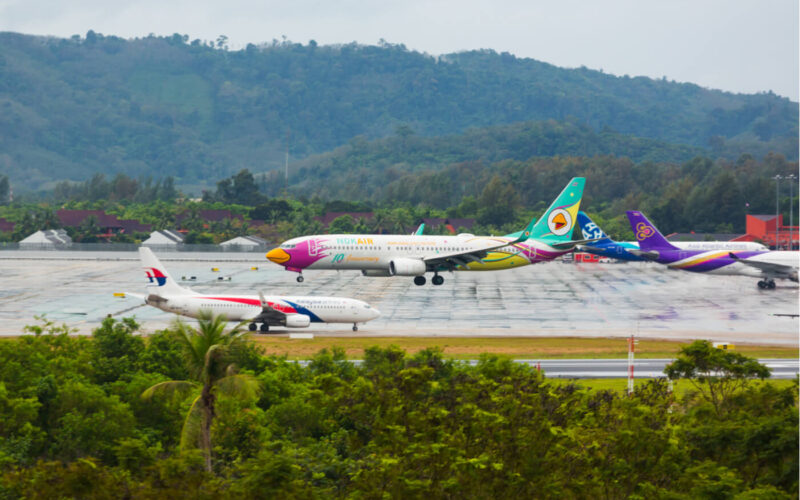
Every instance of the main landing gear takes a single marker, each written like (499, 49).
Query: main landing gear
(766, 284)
(253, 327)
(436, 280)
(355, 327)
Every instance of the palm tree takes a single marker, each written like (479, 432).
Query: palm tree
(208, 356)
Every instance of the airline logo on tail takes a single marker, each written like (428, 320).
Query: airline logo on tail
(643, 231)
(559, 222)
(155, 276)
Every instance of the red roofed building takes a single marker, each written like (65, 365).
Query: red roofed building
(6, 226)
(329, 217)
(108, 223)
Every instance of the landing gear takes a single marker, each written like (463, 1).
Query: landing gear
(437, 280)
(419, 280)
(251, 327)
(355, 327)
(264, 327)
(766, 284)
(300, 279)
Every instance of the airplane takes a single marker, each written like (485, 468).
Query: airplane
(606, 247)
(767, 265)
(416, 254)
(290, 312)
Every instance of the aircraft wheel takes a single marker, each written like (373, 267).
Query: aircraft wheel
(300, 279)
(355, 327)
(762, 285)
(771, 285)
(437, 280)
(419, 280)
(264, 327)
(252, 327)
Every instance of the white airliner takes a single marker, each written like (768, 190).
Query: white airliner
(291, 312)
(416, 254)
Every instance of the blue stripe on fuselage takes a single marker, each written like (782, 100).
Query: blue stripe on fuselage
(302, 310)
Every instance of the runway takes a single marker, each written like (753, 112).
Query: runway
(618, 368)
(550, 299)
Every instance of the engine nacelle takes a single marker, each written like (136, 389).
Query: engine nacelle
(407, 267)
(375, 272)
(297, 321)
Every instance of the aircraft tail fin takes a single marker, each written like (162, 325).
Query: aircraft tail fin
(647, 235)
(161, 283)
(420, 230)
(558, 221)
(590, 230)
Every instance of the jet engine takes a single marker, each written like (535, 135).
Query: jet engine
(375, 272)
(297, 321)
(407, 267)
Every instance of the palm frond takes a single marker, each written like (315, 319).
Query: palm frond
(170, 388)
(192, 426)
(241, 386)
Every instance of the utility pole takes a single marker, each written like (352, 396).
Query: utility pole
(791, 178)
(777, 208)
(631, 349)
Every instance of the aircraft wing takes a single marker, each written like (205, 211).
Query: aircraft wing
(573, 243)
(461, 259)
(268, 314)
(769, 268)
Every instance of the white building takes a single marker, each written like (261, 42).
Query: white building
(50, 238)
(166, 238)
(245, 242)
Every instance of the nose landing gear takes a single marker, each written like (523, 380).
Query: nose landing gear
(355, 327)
(300, 279)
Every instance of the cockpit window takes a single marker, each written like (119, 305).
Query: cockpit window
(288, 245)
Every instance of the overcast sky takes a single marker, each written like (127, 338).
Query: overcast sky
(735, 45)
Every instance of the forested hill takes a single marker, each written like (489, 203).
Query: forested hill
(167, 106)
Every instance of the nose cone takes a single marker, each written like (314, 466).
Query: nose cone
(278, 256)
(374, 313)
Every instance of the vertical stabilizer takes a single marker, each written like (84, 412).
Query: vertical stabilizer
(160, 282)
(559, 220)
(590, 230)
(647, 235)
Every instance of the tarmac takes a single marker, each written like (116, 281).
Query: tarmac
(542, 300)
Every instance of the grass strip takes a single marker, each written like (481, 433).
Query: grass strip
(513, 347)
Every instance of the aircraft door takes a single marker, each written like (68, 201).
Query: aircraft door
(313, 248)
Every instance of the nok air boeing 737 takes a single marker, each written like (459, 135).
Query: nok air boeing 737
(417, 254)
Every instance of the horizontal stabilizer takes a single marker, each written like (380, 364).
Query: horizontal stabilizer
(647, 254)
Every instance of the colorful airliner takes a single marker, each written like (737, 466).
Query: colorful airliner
(606, 247)
(290, 312)
(766, 265)
(417, 254)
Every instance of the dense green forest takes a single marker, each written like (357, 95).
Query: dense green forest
(167, 106)
(202, 413)
(697, 195)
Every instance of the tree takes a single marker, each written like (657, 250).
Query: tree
(716, 373)
(208, 357)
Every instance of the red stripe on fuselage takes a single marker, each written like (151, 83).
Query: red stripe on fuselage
(254, 302)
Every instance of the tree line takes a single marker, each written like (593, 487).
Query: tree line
(201, 412)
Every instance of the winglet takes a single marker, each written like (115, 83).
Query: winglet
(525, 233)
(648, 236)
